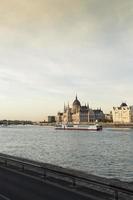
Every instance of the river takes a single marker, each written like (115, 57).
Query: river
(107, 153)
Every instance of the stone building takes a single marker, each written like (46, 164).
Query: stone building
(51, 119)
(99, 115)
(108, 117)
(122, 114)
(59, 117)
(77, 113)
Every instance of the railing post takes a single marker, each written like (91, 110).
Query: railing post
(44, 174)
(116, 195)
(22, 167)
(73, 182)
(5, 163)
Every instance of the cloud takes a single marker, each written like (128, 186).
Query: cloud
(44, 22)
(51, 49)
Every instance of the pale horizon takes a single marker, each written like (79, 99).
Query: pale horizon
(52, 49)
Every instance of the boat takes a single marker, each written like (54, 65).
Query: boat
(94, 127)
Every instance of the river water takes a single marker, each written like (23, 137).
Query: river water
(108, 153)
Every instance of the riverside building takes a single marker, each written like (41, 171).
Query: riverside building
(122, 114)
(79, 113)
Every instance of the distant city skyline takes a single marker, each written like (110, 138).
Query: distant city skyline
(52, 49)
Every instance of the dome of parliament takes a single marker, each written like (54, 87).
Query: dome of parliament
(123, 104)
(76, 102)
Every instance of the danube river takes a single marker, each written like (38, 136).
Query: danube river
(108, 153)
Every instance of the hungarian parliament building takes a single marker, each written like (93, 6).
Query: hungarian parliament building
(79, 113)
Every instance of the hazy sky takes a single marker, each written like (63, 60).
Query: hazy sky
(52, 49)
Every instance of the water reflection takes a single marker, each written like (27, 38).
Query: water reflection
(107, 153)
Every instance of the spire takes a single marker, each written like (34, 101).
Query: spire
(64, 107)
(76, 96)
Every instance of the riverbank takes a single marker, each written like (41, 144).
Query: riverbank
(117, 125)
(104, 125)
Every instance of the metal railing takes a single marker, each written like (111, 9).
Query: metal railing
(38, 169)
(2, 197)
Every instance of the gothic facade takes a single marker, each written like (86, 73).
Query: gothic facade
(77, 113)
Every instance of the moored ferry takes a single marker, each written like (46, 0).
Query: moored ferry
(95, 127)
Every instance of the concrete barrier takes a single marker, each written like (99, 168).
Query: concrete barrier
(72, 181)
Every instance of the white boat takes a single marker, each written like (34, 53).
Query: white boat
(95, 127)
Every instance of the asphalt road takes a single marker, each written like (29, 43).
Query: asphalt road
(17, 186)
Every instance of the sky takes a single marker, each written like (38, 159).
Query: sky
(52, 49)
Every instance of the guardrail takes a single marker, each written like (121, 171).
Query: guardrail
(38, 170)
(2, 197)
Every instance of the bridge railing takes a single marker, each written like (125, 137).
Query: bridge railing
(40, 170)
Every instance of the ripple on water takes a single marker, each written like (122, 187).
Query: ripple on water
(107, 153)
